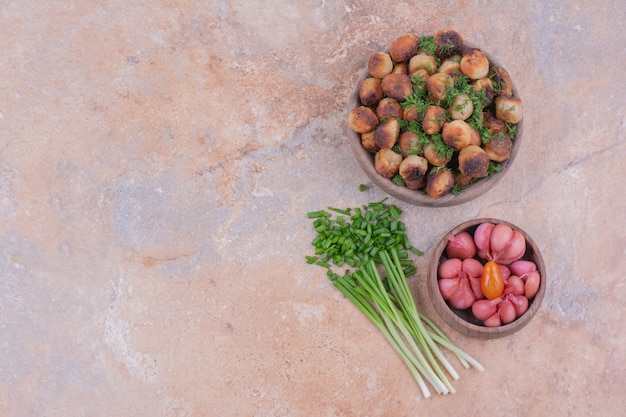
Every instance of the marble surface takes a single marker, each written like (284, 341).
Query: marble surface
(158, 159)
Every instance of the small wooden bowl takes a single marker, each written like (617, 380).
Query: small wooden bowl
(365, 160)
(463, 320)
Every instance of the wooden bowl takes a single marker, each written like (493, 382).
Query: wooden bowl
(463, 320)
(365, 160)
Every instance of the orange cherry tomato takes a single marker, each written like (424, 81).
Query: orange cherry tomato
(491, 282)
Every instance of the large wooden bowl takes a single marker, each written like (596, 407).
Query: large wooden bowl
(462, 320)
(366, 161)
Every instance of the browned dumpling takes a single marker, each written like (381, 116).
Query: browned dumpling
(371, 91)
(439, 182)
(379, 64)
(476, 137)
(461, 180)
(475, 64)
(368, 142)
(447, 43)
(387, 132)
(401, 68)
(438, 85)
(433, 157)
(492, 123)
(397, 86)
(410, 113)
(362, 119)
(413, 171)
(502, 79)
(387, 163)
(509, 109)
(457, 134)
(434, 119)
(451, 66)
(499, 148)
(461, 108)
(423, 61)
(473, 161)
(389, 107)
(409, 143)
(486, 86)
(404, 47)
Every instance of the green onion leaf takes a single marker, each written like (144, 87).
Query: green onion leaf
(374, 238)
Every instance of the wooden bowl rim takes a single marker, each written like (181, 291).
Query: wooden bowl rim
(452, 318)
(365, 159)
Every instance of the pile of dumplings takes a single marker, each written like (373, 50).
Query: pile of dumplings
(436, 115)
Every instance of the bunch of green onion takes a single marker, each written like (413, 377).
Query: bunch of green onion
(373, 242)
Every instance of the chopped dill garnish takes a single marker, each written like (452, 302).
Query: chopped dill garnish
(494, 168)
(511, 130)
(443, 150)
(427, 45)
(456, 189)
(397, 179)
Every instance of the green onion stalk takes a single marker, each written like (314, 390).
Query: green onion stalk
(372, 241)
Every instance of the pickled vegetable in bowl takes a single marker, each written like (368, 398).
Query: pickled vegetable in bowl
(487, 278)
(435, 120)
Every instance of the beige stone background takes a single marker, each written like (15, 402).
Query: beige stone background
(158, 159)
